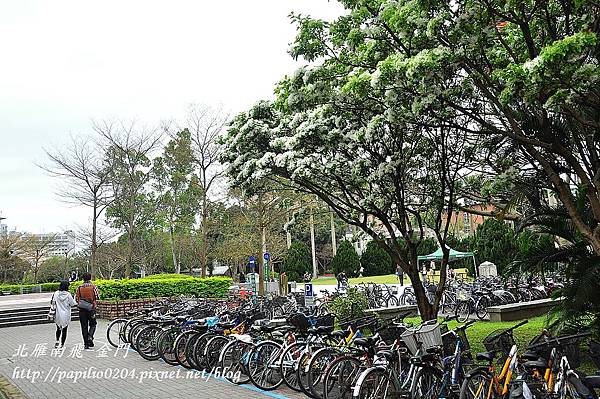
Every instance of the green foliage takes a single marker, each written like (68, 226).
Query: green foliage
(165, 276)
(346, 260)
(211, 287)
(376, 261)
(16, 288)
(351, 305)
(495, 241)
(297, 261)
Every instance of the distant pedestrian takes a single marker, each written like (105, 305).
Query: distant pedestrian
(242, 277)
(400, 274)
(86, 297)
(62, 301)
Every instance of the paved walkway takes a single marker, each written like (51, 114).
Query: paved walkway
(25, 300)
(29, 362)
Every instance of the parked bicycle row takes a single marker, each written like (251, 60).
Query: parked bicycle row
(466, 299)
(363, 358)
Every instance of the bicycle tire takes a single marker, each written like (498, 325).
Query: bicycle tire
(234, 358)
(316, 370)
(340, 377)
(481, 307)
(212, 350)
(375, 383)
(145, 341)
(263, 367)
(289, 364)
(471, 389)
(427, 384)
(117, 327)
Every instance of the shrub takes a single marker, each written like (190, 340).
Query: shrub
(351, 305)
(375, 261)
(164, 276)
(16, 288)
(346, 259)
(297, 262)
(211, 287)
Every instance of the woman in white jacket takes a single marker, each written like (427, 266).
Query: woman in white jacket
(62, 300)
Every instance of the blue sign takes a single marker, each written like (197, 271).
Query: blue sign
(252, 259)
(308, 289)
(267, 256)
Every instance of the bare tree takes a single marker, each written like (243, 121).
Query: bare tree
(205, 123)
(11, 266)
(36, 249)
(128, 150)
(80, 167)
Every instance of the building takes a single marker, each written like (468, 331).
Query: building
(59, 244)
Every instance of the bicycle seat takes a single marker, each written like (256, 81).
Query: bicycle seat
(592, 381)
(536, 364)
(338, 334)
(387, 354)
(366, 342)
(228, 325)
(530, 355)
(181, 318)
(486, 356)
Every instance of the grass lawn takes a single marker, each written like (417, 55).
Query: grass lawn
(385, 279)
(481, 329)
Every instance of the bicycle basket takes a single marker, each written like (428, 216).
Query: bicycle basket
(327, 320)
(500, 341)
(391, 333)
(462, 295)
(429, 335)
(299, 320)
(410, 339)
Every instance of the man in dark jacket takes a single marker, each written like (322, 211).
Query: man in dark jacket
(86, 297)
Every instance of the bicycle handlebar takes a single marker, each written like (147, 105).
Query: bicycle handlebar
(557, 341)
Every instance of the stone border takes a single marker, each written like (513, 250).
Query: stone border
(10, 391)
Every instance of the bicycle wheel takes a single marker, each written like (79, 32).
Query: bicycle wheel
(212, 350)
(166, 346)
(376, 383)
(198, 350)
(481, 307)
(263, 365)
(133, 332)
(189, 349)
(302, 373)
(462, 311)
(115, 332)
(427, 384)
(316, 370)
(180, 348)
(234, 361)
(145, 342)
(340, 377)
(290, 360)
(391, 301)
(477, 386)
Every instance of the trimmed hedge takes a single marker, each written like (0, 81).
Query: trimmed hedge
(16, 288)
(165, 276)
(210, 287)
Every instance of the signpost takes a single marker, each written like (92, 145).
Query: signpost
(266, 257)
(252, 262)
(309, 295)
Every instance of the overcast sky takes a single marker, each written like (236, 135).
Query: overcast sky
(66, 63)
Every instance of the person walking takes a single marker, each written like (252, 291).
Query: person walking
(62, 301)
(400, 274)
(86, 297)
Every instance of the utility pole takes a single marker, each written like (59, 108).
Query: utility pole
(312, 242)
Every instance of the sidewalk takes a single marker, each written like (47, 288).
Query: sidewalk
(25, 300)
(27, 360)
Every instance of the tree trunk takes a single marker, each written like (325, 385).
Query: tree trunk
(333, 238)
(261, 261)
(129, 260)
(173, 254)
(204, 253)
(288, 235)
(94, 247)
(312, 243)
